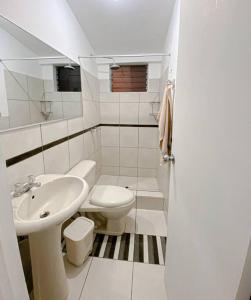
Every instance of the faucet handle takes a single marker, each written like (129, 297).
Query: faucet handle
(32, 179)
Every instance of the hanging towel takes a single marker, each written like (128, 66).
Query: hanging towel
(165, 118)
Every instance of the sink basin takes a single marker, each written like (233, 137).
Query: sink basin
(51, 204)
(40, 214)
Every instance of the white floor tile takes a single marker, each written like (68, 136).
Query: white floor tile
(150, 222)
(107, 180)
(147, 184)
(150, 200)
(108, 279)
(76, 277)
(126, 181)
(148, 282)
(131, 221)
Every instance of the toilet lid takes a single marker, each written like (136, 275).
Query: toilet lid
(110, 196)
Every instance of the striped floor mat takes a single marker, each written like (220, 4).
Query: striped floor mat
(149, 249)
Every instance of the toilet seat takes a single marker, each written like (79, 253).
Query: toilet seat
(110, 196)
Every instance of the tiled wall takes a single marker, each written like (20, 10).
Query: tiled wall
(64, 105)
(28, 96)
(24, 94)
(129, 150)
(64, 155)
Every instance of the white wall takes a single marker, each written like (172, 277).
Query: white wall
(53, 23)
(209, 222)
(172, 42)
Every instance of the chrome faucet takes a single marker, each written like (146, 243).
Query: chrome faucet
(21, 188)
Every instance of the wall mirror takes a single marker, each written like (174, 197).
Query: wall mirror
(37, 83)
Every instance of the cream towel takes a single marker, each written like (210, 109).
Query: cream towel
(165, 118)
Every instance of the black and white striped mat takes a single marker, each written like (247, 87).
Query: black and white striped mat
(143, 248)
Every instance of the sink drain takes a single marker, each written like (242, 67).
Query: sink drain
(44, 214)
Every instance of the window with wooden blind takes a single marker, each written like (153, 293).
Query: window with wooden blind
(129, 78)
(68, 80)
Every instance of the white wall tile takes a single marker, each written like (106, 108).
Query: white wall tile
(76, 149)
(89, 144)
(153, 85)
(35, 88)
(18, 141)
(107, 180)
(16, 86)
(110, 170)
(75, 125)
(129, 113)
(56, 159)
(128, 157)
(110, 156)
(147, 158)
(72, 109)
(35, 112)
(129, 137)
(56, 109)
(71, 96)
(91, 114)
(53, 96)
(124, 171)
(109, 97)
(110, 136)
(145, 109)
(4, 123)
(54, 131)
(49, 86)
(20, 171)
(109, 113)
(105, 85)
(149, 97)
(148, 137)
(19, 113)
(129, 97)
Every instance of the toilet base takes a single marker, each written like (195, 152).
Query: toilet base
(113, 227)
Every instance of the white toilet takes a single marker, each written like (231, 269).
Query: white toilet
(112, 203)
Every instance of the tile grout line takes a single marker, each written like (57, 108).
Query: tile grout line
(81, 292)
(132, 281)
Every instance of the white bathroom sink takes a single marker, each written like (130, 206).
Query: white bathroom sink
(51, 204)
(40, 214)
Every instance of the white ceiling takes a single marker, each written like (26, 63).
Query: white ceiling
(124, 26)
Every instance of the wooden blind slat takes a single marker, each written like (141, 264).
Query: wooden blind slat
(127, 85)
(130, 78)
(122, 90)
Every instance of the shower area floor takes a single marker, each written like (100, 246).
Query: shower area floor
(139, 272)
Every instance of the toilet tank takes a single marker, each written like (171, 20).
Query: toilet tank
(85, 169)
